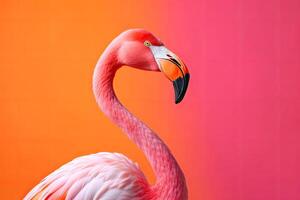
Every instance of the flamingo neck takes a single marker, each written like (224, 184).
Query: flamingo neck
(170, 181)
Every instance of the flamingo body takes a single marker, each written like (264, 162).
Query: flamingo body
(104, 176)
(112, 176)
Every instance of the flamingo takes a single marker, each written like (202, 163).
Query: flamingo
(112, 176)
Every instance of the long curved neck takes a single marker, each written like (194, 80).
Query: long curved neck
(170, 181)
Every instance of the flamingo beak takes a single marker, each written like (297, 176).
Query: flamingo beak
(174, 69)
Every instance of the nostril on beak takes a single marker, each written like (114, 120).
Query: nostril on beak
(175, 62)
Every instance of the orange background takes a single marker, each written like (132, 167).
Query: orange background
(48, 114)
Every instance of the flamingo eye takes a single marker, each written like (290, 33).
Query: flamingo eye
(147, 43)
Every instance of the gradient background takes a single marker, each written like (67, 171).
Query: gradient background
(236, 134)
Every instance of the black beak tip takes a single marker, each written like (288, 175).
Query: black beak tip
(180, 87)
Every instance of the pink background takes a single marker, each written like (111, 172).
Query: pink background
(244, 98)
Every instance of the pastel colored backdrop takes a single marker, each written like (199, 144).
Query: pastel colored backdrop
(236, 134)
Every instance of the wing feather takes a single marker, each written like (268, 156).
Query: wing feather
(104, 176)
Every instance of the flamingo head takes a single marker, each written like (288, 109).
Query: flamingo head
(141, 49)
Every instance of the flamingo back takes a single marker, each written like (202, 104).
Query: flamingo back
(104, 176)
